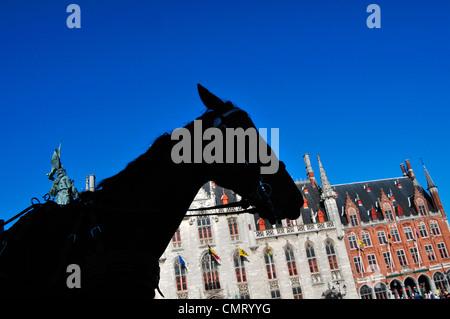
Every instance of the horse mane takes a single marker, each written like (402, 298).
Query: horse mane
(132, 173)
(133, 170)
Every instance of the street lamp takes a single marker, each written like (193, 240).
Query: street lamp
(336, 293)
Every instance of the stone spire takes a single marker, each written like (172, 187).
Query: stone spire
(434, 193)
(327, 191)
(329, 199)
(430, 182)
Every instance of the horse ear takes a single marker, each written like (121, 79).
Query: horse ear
(211, 101)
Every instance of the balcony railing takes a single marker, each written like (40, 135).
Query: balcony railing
(295, 229)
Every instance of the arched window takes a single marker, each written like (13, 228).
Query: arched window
(381, 291)
(290, 259)
(366, 292)
(366, 238)
(312, 261)
(270, 266)
(439, 281)
(239, 268)
(210, 272)
(434, 228)
(422, 230)
(331, 254)
(180, 275)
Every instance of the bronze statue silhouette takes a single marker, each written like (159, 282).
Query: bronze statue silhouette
(63, 188)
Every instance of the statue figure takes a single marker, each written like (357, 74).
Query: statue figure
(63, 188)
(56, 162)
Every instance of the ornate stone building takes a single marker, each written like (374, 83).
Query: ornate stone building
(303, 258)
(375, 239)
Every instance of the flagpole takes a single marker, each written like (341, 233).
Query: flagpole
(391, 261)
(240, 265)
(211, 271)
(391, 257)
(360, 259)
(417, 248)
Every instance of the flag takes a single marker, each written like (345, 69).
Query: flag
(242, 254)
(56, 162)
(417, 234)
(216, 257)
(182, 262)
(269, 250)
(361, 244)
(390, 238)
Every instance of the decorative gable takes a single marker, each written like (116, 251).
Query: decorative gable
(351, 212)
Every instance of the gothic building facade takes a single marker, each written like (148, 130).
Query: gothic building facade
(397, 236)
(377, 239)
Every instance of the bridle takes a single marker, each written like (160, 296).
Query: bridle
(219, 120)
(263, 190)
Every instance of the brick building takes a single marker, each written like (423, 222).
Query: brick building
(397, 236)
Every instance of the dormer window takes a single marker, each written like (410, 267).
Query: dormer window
(320, 215)
(373, 212)
(261, 224)
(422, 210)
(388, 214)
(421, 207)
(399, 210)
(224, 199)
(353, 217)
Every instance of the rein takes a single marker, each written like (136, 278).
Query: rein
(241, 204)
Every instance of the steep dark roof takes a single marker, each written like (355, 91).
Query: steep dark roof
(218, 193)
(312, 196)
(404, 196)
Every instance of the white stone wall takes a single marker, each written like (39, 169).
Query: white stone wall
(254, 243)
(258, 284)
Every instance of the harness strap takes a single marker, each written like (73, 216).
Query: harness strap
(241, 203)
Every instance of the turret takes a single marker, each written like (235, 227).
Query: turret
(328, 195)
(309, 170)
(434, 192)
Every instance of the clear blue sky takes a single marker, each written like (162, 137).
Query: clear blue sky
(363, 99)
